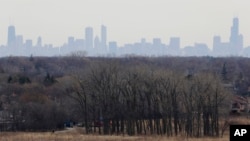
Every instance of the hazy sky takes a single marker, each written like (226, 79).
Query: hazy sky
(127, 21)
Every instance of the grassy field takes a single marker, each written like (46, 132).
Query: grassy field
(70, 137)
(76, 135)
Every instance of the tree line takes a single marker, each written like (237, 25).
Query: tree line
(142, 99)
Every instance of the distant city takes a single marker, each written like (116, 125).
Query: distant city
(99, 46)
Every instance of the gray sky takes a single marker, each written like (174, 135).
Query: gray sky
(127, 20)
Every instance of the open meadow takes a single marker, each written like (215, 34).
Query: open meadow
(78, 137)
(75, 134)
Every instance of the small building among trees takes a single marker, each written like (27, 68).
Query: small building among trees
(240, 104)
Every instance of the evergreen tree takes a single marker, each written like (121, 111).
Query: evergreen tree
(224, 72)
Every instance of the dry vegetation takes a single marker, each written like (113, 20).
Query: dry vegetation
(75, 135)
(132, 96)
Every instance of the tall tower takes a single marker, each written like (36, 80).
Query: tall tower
(89, 37)
(236, 39)
(234, 31)
(11, 36)
(104, 36)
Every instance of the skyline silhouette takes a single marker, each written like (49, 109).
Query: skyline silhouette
(98, 45)
(127, 20)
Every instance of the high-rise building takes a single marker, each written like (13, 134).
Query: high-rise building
(89, 37)
(39, 42)
(79, 43)
(216, 43)
(104, 36)
(11, 36)
(96, 42)
(71, 41)
(19, 50)
(234, 31)
(112, 48)
(236, 39)
(19, 41)
(28, 43)
(174, 43)
(156, 42)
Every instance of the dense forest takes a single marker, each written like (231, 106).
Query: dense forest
(129, 95)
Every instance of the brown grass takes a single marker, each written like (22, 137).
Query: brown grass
(76, 135)
(71, 137)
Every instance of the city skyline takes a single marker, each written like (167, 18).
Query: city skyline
(98, 45)
(128, 21)
(89, 33)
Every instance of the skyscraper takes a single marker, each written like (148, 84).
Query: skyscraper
(89, 37)
(236, 39)
(39, 42)
(234, 31)
(104, 36)
(11, 36)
